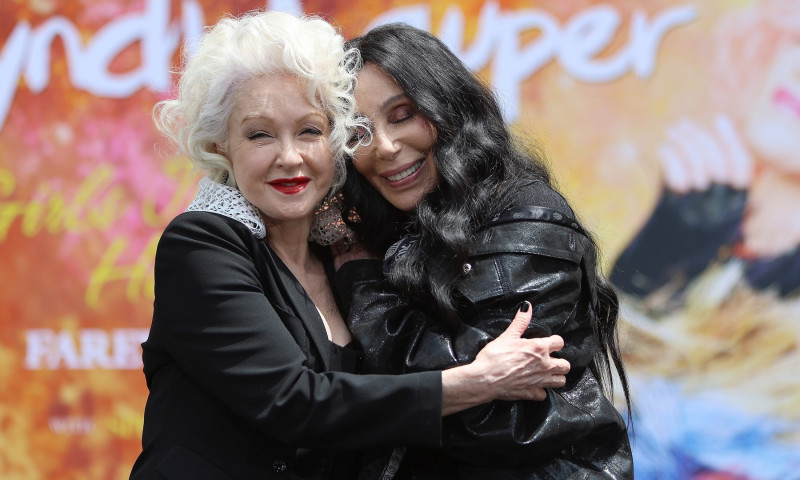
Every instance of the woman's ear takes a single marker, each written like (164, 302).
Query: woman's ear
(434, 131)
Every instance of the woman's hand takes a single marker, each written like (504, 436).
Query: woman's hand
(508, 368)
(695, 156)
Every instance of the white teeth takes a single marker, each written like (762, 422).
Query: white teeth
(405, 173)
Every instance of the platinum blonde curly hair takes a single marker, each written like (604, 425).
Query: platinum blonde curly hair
(255, 44)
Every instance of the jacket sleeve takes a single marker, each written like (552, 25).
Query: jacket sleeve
(543, 263)
(213, 319)
(394, 337)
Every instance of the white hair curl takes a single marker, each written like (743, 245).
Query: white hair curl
(259, 43)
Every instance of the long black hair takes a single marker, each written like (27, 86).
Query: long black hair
(481, 168)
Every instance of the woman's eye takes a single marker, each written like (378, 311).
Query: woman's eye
(257, 135)
(311, 131)
(402, 114)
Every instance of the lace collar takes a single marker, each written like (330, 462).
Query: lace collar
(218, 198)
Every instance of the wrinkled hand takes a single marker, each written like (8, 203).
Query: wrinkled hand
(517, 368)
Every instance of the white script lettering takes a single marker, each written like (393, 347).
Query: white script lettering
(575, 46)
(88, 63)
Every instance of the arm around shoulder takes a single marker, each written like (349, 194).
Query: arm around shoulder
(213, 320)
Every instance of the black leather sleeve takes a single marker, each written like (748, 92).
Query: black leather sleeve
(543, 262)
(213, 320)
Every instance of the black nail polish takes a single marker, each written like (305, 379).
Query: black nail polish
(525, 306)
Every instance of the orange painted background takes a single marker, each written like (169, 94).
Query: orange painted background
(623, 96)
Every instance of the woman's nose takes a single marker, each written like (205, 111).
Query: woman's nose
(289, 155)
(385, 144)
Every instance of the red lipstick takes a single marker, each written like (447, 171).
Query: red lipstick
(289, 186)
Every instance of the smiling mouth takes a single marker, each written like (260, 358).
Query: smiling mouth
(406, 173)
(289, 186)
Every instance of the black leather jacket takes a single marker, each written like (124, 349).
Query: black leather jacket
(529, 253)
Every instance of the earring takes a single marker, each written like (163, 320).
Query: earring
(327, 226)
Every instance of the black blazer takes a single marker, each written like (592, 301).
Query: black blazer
(236, 365)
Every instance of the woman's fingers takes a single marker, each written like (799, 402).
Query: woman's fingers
(694, 156)
(739, 161)
(676, 175)
(520, 322)
(516, 368)
(554, 343)
(554, 381)
(709, 154)
(533, 392)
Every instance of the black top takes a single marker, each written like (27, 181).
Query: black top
(333, 464)
(241, 372)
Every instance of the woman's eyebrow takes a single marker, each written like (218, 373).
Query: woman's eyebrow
(391, 99)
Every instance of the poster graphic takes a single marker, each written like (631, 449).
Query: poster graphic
(672, 127)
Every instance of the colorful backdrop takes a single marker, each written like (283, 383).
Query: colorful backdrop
(673, 127)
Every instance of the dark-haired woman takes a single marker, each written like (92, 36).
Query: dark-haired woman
(468, 226)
